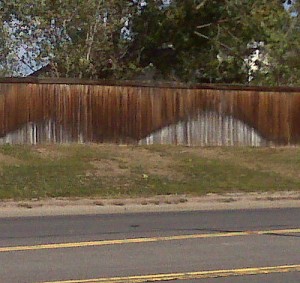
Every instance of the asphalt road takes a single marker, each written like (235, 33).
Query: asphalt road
(184, 245)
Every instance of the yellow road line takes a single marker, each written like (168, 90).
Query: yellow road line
(144, 240)
(190, 275)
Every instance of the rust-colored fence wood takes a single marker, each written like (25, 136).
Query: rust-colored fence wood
(33, 111)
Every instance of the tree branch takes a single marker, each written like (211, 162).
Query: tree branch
(91, 34)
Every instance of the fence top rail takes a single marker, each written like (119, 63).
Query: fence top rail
(154, 84)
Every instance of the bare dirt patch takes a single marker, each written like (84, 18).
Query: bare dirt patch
(49, 152)
(138, 161)
(6, 160)
(107, 168)
(153, 163)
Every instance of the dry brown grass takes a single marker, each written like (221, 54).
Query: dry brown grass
(121, 161)
(51, 152)
(6, 160)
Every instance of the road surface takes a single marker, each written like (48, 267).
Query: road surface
(231, 246)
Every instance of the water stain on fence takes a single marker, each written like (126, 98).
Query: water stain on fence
(33, 113)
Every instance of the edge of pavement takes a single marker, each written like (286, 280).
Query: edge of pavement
(171, 203)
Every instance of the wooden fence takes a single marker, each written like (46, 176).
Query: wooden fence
(34, 110)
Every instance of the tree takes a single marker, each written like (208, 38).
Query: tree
(185, 40)
(77, 38)
(283, 49)
(3, 46)
(207, 41)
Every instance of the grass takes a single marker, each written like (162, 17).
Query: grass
(30, 172)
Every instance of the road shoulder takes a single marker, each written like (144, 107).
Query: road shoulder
(79, 206)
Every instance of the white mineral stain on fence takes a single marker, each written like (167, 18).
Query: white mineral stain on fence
(38, 133)
(207, 129)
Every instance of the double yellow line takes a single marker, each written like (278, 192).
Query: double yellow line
(171, 276)
(144, 240)
(190, 275)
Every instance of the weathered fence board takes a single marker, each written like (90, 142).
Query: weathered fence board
(36, 111)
